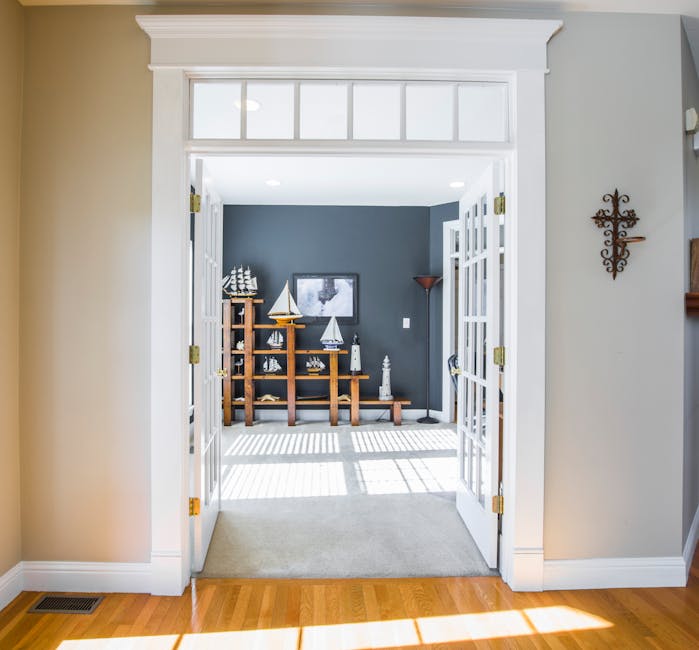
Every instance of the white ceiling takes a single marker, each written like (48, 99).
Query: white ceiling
(342, 180)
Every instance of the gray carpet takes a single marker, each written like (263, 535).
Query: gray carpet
(316, 502)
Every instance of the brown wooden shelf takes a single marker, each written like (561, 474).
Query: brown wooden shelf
(238, 380)
(269, 326)
(241, 301)
(691, 304)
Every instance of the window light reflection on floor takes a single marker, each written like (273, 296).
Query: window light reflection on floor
(397, 633)
(284, 480)
(268, 444)
(404, 440)
(406, 475)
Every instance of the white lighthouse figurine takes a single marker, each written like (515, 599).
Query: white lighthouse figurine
(385, 388)
(355, 357)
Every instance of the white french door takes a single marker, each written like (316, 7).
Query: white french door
(478, 397)
(206, 447)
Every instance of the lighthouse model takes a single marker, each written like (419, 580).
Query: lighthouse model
(355, 357)
(385, 388)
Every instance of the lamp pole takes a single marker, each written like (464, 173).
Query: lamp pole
(427, 282)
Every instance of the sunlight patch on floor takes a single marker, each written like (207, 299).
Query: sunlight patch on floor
(271, 444)
(404, 440)
(406, 475)
(284, 480)
(372, 634)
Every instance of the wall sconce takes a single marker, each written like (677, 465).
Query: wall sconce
(691, 126)
(615, 222)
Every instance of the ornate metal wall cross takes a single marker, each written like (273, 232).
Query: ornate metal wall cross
(615, 222)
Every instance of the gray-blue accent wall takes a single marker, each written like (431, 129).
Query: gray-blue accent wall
(385, 246)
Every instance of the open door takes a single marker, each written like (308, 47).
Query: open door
(478, 394)
(208, 415)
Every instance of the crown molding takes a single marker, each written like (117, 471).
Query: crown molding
(345, 27)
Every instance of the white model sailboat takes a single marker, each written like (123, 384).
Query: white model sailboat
(332, 339)
(271, 365)
(240, 283)
(275, 340)
(284, 309)
(314, 365)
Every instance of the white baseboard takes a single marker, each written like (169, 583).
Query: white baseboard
(367, 416)
(11, 585)
(87, 577)
(610, 573)
(691, 544)
(526, 570)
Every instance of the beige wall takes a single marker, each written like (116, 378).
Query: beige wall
(614, 393)
(614, 412)
(84, 286)
(11, 46)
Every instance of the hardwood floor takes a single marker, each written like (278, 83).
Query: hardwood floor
(446, 613)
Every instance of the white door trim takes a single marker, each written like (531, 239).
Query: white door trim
(448, 318)
(427, 48)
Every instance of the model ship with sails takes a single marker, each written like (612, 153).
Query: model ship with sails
(240, 283)
(275, 340)
(332, 339)
(284, 310)
(314, 365)
(271, 365)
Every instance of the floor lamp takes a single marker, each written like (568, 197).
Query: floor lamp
(427, 282)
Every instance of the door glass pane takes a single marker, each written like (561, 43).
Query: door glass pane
(273, 118)
(216, 110)
(376, 112)
(484, 361)
(323, 111)
(429, 112)
(483, 413)
(483, 112)
(481, 476)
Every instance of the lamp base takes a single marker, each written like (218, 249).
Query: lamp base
(428, 420)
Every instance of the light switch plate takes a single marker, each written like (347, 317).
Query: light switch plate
(406, 323)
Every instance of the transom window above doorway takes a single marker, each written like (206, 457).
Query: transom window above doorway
(413, 111)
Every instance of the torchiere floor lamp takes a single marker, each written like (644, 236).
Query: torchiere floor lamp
(427, 282)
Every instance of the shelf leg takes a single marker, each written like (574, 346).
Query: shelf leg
(249, 363)
(291, 374)
(397, 413)
(227, 366)
(334, 415)
(354, 401)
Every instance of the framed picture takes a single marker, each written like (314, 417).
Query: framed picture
(322, 295)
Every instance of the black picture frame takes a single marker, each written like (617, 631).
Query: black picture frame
(305, 285)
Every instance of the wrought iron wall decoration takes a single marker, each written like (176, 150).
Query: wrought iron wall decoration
(615, 222)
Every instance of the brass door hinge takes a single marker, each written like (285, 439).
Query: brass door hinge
(193, 354)
(194, 506)
(194, 203)
(499, 204)
(498, 504)
(499, 356)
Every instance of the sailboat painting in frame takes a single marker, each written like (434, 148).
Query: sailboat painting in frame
(320, 296)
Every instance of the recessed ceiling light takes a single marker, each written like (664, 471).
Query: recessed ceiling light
(250, 104)
(272, 182)
(456, 184)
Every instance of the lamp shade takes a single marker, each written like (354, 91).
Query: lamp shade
(427, 281)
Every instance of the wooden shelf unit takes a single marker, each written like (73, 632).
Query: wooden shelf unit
(248, 377)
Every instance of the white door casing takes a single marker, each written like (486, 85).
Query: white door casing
(331, 47)
(477, 419)
(450, 256)
(208, 415)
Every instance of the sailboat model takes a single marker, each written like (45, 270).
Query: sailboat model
(240, 283)
(276, 340)
(284, 309)
(332, 339)
(271, 365)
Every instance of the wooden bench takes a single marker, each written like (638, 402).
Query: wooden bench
(395, 405)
